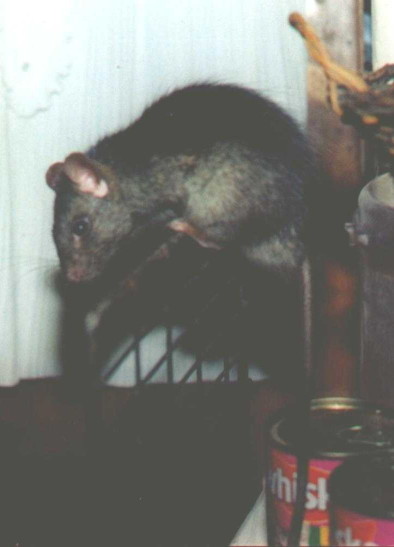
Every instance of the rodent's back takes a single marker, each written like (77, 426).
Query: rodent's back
(192, 119)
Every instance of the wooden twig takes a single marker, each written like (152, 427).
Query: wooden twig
(335, 73)
(367, 104)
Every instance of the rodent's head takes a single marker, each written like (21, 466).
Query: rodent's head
(91, 219)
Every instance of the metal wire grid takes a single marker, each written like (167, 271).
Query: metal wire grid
(232, 368)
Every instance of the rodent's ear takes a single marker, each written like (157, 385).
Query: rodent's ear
(85, 175)
(53, 175)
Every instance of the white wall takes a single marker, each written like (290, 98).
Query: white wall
(382, 32)
(74, 70)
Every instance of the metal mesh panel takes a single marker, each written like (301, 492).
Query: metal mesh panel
(200, 367)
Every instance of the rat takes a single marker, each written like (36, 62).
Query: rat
(219, 163)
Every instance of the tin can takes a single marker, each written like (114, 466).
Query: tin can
(338, 428)
(362, 501)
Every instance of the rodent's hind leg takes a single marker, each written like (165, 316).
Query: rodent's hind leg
(277, 254)
(180, 225)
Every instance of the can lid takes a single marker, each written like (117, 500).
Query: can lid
(365, 484)
(336, 431)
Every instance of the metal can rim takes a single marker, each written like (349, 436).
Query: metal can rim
(322, 403)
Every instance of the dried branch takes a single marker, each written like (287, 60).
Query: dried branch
(366, 103)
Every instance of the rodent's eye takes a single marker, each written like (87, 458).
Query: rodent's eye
(80, 226)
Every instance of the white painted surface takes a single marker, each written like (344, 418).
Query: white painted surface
(72, 71)
(253, 532)
(382, 33)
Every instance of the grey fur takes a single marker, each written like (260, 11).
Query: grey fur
(219, 158)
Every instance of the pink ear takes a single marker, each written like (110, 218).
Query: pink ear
(53, 175)
(85, 175)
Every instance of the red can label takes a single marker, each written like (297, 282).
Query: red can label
(283, 484)
(355, 529)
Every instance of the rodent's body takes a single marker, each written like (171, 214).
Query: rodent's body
(218, 162)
